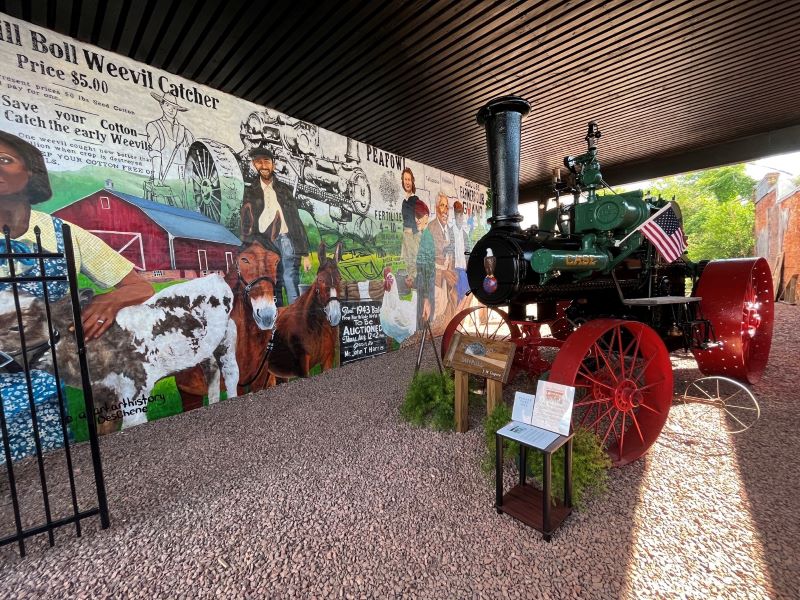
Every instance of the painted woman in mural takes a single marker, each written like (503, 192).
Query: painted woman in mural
(424, 280)
(435, 266)
(408, 250)
(23, 183)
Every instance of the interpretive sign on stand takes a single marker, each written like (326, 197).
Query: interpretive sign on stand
(479, 356)
(540, 420)
(360, 331)
(541, 423)
(552, 409)
(487, 358)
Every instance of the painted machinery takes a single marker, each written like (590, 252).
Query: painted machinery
(590, 302)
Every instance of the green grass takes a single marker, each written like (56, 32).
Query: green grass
(158, 408)
(69, 186)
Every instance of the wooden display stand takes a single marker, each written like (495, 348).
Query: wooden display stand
(477, 356)
(528, 504)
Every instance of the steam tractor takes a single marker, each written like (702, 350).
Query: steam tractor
(216, 176)
(609, 308)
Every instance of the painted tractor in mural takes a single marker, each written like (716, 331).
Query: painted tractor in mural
(609, 307)
(216, 175)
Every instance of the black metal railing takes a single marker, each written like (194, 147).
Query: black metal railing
(23, 372)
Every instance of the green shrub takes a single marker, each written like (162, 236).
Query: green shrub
(590, 465)
(430, 400)
(499, 417)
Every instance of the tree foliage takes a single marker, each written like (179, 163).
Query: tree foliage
(718, 212)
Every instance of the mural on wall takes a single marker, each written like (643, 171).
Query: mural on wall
(223, 247)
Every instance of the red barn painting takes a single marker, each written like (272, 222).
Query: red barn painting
(154, 236)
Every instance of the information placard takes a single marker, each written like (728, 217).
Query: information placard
(360, 331)
(552, 409)
(480, 356)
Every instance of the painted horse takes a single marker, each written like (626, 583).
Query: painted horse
(254, 313)
(306, 331)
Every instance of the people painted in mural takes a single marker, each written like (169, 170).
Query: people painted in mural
(270, 216)
(169, 141)
(425, 265)
(24, 182)
(408, 249)
(435, 263)
(461, 243)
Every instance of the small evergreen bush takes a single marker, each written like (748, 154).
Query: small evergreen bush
(497, 419)
(590, 465)
(430, 400)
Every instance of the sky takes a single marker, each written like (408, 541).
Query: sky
(785, 164)
(788, 163)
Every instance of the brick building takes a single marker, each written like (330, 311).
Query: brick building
(778, 224)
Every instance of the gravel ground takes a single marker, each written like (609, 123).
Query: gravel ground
(317, 489)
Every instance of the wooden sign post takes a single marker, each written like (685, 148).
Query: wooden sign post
(478, 356)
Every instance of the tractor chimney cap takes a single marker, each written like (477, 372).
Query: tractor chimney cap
(503, 104)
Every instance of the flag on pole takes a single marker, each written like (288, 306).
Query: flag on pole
(665, 232)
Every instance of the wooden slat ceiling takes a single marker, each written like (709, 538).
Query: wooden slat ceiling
(674, 85)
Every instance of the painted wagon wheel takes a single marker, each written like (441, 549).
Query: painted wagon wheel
(731, 405)
(497, 326)
(214, 178)
(737, 298)
(623, 379)
(359, 192)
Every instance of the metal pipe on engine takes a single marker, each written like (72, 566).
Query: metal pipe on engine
(502, 119)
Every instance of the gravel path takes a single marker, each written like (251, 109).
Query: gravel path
(316, 489)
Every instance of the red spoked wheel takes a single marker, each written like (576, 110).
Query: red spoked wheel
(493, 324)
(623, 379)
(737, 298)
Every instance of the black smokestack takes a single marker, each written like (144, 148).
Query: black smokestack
(502, 118)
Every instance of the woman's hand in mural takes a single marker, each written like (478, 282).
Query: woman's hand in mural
(307, 262)
(100, 314)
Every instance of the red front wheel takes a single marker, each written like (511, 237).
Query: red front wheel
(623, 384)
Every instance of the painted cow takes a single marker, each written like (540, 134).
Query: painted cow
(178, 328)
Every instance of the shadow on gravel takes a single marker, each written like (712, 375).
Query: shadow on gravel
(768, 453)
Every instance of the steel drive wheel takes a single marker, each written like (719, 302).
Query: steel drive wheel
(737, 298)
(214, 180)
(494, 324)
(623, 384)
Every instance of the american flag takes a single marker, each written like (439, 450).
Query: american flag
(665, 232)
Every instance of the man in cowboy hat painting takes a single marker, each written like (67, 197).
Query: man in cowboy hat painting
(270, 216)
(169, 140)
